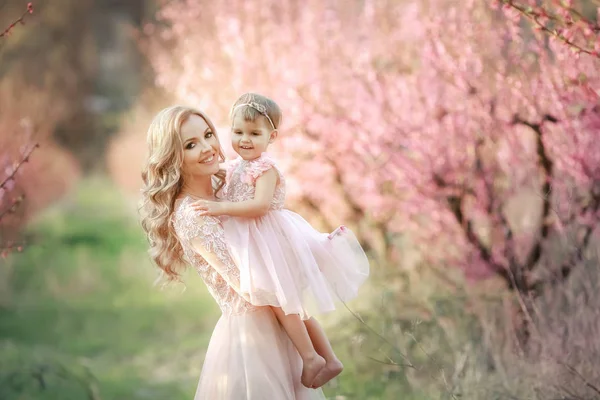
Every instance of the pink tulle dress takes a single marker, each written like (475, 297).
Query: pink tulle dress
(283, 260)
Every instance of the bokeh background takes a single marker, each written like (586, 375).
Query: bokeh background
(459, 140)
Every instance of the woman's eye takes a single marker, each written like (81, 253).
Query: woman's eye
(208, 135)
(190, 146)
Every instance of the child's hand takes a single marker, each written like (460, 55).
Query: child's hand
(207, 207)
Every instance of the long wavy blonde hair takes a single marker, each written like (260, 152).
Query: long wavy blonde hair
(163, 180)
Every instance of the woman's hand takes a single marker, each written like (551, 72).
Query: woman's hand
(208, 207)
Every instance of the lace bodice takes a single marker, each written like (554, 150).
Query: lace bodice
(204, 247)
(242, 176)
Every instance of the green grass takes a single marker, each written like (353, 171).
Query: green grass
(80, 317)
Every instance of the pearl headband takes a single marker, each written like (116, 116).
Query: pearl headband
(258, 107)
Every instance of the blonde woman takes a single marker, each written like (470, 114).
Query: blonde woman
(252, 353)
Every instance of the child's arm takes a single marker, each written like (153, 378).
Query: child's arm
(256, 207)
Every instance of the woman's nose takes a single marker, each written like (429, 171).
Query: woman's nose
(204, 146)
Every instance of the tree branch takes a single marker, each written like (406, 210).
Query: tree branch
(580, 250)
(19, 164)
(547, 167)
(12, 207)
(539, 12)
(20, 20)
(455, 204)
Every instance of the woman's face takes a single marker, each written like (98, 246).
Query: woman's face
(200, 148)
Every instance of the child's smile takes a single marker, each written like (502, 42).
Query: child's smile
(251, 138)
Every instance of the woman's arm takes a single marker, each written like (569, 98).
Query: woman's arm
(207, 239)
(209, 243)
(222, 263)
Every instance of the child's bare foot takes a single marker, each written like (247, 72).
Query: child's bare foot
(311, 367)
(332, 369)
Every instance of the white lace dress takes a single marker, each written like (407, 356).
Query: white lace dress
(249, 357)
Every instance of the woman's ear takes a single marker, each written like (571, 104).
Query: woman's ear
(273, 136)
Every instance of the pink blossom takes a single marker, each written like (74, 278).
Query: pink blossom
(392, 112)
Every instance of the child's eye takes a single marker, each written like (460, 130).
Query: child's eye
(256, 133)
(237, 133)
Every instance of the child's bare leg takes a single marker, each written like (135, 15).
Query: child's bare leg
(312, 362)
(333, 366)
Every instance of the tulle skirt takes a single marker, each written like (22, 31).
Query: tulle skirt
(250, 357)
(285, 262)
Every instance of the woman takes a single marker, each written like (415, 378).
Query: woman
(249, 355)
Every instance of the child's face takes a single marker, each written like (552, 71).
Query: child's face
(251, 138)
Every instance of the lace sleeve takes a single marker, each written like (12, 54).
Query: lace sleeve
(211, 246)
(258, 167)
(206, 237)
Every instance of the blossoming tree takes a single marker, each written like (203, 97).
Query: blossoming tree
(475, 133)
(11, 166)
